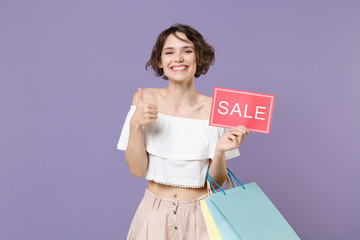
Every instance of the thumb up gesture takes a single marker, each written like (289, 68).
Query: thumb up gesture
(145, 113)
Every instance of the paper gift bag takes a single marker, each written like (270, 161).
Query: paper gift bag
(248, 212)
(227, 232)
(213, 231)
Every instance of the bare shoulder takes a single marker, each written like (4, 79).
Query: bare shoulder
(149, 95)
(207, 101)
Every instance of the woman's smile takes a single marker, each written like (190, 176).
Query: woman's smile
(179, 68)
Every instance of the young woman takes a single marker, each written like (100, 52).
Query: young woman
(168, 140)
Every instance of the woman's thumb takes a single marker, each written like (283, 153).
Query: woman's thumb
(140, 96)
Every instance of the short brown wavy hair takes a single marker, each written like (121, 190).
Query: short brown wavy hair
(205, 53)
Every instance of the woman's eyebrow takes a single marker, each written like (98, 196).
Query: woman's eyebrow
(182, 47)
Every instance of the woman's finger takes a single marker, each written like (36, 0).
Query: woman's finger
(150, 115)
(241, 127)
(140, 96)
(150, 106)
(245, 129)
(231, 137)
(233, 140)
(151, 121)
(153, 116)
(238, 132)
(152, 111)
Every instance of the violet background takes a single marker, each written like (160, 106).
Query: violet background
(68, 70)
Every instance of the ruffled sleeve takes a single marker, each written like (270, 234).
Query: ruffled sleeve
(178, 138)
(124, 136)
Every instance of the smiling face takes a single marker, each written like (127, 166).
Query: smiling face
(178, 58)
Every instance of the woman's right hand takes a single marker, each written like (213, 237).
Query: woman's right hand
(145, 113)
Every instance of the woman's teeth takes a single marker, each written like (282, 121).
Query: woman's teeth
(179, 68)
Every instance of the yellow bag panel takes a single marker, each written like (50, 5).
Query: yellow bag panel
(213, 231)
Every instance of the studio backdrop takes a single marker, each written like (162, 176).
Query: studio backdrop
(69, 69)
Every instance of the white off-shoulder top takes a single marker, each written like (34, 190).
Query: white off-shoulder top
(179, 148)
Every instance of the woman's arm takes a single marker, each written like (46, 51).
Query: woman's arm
(218, 170)
(136, 156)
(230, 140)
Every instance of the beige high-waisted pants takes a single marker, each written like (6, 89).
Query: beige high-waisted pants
(158, 218)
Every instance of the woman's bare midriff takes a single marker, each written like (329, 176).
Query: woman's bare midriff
(178, 193)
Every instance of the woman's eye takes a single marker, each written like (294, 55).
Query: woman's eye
(168, 53)
(188, 51)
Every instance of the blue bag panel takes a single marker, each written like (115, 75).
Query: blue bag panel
(225, 228)
(250, 213)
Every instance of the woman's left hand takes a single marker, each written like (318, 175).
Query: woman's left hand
(232, 139)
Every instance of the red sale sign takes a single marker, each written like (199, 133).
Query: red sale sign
(231, 108)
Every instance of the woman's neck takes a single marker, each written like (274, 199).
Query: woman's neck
(181, 95)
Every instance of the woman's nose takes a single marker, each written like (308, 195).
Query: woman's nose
(179, 57)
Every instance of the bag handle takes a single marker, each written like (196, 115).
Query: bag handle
(210, 178)
(210, 186)
(230, 173)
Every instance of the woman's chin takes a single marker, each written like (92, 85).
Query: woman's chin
(180, 77)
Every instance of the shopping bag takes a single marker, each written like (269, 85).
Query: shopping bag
(227, 232)
(248, 212)
(213, 231)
